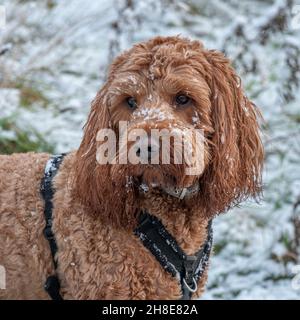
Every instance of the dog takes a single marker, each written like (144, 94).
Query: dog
(170, 83)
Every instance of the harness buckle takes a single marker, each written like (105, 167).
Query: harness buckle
(189, 272)
(194, 289)
(189, 267)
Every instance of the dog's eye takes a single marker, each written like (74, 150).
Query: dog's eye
(182, 99)
(131, 102)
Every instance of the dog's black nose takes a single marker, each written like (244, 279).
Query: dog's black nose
(148, 152)
(138, 152)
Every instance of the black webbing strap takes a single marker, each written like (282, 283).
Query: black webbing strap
(52, 285)
(187, 269)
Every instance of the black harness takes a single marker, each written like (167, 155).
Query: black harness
(187, 269)
(52, 285)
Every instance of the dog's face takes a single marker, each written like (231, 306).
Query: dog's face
(175, 86)
(167, 98)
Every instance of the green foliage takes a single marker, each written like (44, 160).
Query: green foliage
(22, 140)
(219, 246)
(29, 95)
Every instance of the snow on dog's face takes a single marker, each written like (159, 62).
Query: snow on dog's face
(175, 87)
(165, 104)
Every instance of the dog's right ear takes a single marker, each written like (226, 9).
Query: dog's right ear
(88, 177)
(92, 183)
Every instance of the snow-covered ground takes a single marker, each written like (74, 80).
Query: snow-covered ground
(53, 59)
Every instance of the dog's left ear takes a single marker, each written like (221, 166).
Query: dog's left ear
(234, 172)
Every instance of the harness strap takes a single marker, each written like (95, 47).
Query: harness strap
(52, 285)
(187, 269)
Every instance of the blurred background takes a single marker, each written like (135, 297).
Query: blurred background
(54, 56)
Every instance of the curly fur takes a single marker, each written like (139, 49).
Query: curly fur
(95, 208)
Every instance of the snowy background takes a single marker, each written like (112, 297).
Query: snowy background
(53, 59)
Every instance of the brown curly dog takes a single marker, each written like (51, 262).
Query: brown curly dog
(166, 83)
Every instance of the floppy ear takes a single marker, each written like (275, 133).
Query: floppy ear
(86, 180)
(234, 172)
(92, 182)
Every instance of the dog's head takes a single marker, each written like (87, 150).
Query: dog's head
(170, 90)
